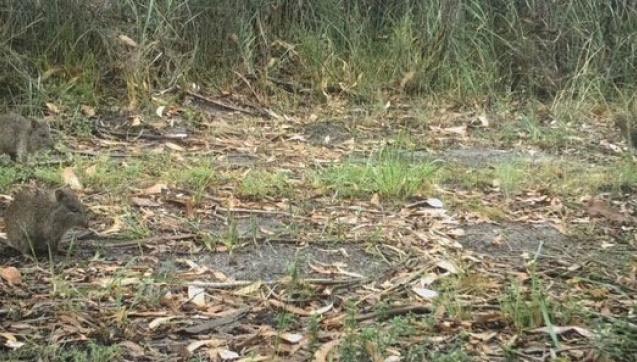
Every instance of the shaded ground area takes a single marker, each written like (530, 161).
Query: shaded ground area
(270, 262)
(515, 239)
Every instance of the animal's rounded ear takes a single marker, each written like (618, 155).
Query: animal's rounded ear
(60, 194)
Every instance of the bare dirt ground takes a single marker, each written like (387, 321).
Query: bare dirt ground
(475, 265)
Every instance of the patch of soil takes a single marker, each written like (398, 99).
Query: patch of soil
(257, 226)
(514, 239)
(239, 160)
(327, 133)
(465, 157)
(273, 261)
(486, 157)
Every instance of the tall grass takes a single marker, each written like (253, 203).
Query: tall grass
(568, 52)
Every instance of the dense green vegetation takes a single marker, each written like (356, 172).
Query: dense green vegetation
(76, 51)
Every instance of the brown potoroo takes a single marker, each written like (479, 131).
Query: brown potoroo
(37, 219)
(20, 136)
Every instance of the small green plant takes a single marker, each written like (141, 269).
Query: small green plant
(197, 179)
(16, 173)
(616, 340)
(390, 175)
(261, 184)
(109, 175)
(510, 177)
(527, 309)
(313, 328)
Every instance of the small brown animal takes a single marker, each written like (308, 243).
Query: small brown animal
(37, 219)
(628, 128)
(20, 136)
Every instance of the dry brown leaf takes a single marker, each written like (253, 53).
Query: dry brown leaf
(214, 342)
(134, 349)
(11, 341)
(250, 289)
(174, 146)
(323, 310)
(227, 355)
(70, 179)
(425, 293)
(293, 338)
(141, 202)
(159, 321)
(127, 40)
(322, 354)
(597, 207)
(255, 359)
(91, 170)
(115, 228)
(448, 266)
(197, 295)
(563, 329)
(155, 189)
(53, 108)
(12, 275)
(87, 110)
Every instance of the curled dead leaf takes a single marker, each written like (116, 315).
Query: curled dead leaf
(127, 41)
(155, 189)
(11, 341)
(87, 110)
(293, 338)
(11, 275)
(197, 295)
(425, 293)
(321, 355)
(159, 321)
(214, 342)
(70, 179)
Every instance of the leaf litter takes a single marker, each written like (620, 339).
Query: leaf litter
(298, 275)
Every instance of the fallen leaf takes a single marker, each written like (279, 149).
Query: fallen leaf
(448, 266)
(141, 202)
(250, 289)
(91, 170)
(197, 295)
(134, 349)
(160, 111)
(563, 329)
(11, 341)
(174, 147)
(460, 130)
(70, 179)
(227, 355)
(293, 338)
(159, 321)
(436, 203)
(255, 359)
(11, 275)
(321, 354)
(322, 310)
(424, 293)
(127, 40)
(214, 342)
(115, 228)
(87, 110)
(597, 208)
(155, 189)
(136, 121)
(53, 108)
